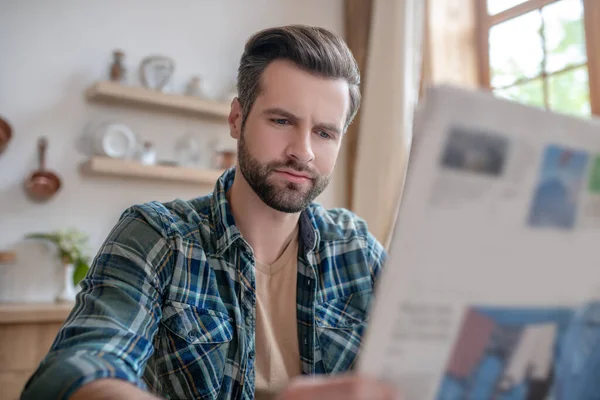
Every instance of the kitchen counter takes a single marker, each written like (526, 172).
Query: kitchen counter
(26, 333)
(21, 313)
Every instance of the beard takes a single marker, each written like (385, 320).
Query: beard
(290, 197)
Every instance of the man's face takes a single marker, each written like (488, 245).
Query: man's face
(291, 139)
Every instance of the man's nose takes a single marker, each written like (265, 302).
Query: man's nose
(300, 148)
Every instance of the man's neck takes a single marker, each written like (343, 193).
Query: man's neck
(268, 231)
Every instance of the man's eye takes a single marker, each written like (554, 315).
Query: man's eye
(324, 135)
(281, 121)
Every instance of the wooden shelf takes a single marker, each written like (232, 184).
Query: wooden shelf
(112, 92)
(18, 313)
(131, 169)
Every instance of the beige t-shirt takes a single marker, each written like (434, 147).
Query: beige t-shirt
(277, 352)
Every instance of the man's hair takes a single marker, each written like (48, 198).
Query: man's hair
(313, 49)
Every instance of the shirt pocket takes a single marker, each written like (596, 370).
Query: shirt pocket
(340, 326)
(195, 344)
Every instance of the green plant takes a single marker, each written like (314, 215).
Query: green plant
(72, 246)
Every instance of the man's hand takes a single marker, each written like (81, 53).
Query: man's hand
(344, 387)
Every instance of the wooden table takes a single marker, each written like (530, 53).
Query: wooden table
(26, 334)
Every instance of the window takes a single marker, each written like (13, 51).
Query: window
(537, 52)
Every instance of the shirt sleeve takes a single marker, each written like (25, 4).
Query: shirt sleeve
(110, 330)
(377, 257)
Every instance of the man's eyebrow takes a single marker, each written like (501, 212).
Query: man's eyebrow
(281, 112)
(329, 127)
(284, 113)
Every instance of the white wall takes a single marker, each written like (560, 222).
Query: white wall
(51, 51)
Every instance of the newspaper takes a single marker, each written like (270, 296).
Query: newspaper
(494, 265)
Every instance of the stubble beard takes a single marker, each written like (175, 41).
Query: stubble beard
(290, 198)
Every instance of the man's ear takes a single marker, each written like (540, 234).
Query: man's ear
(235, 119)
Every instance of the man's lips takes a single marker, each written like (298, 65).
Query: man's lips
(294, 176)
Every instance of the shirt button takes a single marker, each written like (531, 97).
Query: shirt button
(308, 282)
(306, 340)
(193, 334)
(251, 354)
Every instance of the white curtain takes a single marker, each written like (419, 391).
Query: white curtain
(389, 99)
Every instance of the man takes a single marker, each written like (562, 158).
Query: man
(240, 293)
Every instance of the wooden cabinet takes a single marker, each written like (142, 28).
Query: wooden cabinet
(26, 334)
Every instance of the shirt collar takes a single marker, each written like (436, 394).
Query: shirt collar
(227, 232)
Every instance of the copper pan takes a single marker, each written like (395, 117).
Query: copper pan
(42, 184)
(5, 134)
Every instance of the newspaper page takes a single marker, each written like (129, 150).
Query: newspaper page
(494, 263)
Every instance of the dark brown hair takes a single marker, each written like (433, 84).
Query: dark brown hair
(313, 49)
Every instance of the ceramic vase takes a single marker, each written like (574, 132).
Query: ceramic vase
(69, 291)
(195, 87)
(118, 72)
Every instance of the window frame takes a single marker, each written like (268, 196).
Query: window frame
(591, 21)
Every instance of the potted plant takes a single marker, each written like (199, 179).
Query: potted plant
(72, 247)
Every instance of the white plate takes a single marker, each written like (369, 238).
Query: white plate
(116, 141)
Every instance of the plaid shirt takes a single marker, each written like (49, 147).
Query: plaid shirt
(169, 302)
